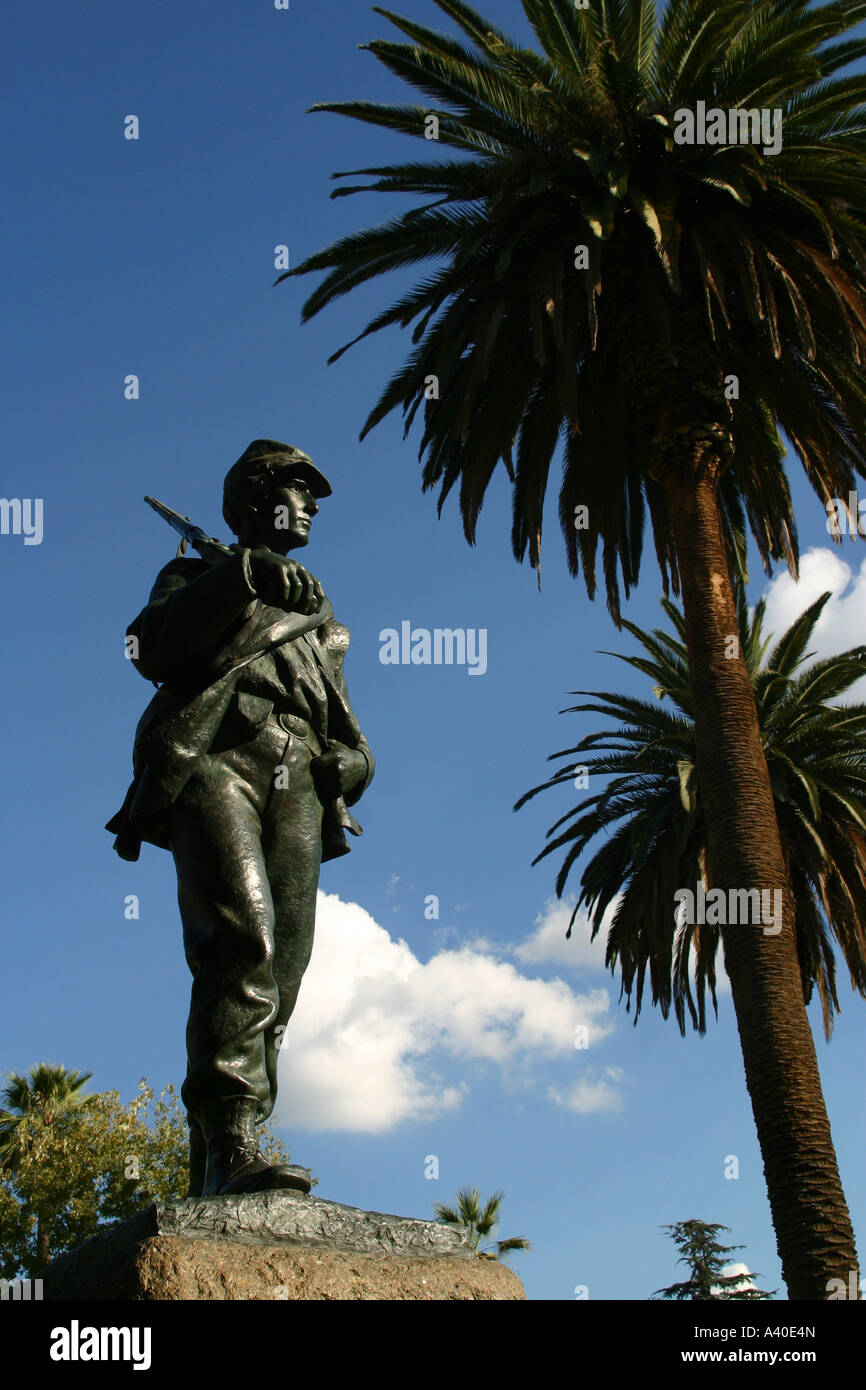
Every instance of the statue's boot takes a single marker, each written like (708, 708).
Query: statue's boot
(234, 1163)
(197, 1159)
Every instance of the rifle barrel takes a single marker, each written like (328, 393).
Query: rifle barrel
(206, 545)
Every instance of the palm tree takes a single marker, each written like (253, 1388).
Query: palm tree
(43, 1097)
(652, 814)
(660, 312)
(479, 1222)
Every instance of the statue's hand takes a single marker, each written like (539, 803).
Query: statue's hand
(338, 772)
(284, 583)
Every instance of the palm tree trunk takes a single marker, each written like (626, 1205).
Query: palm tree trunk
(813, 1227)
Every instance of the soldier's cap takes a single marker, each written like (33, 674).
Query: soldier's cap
(264, 460)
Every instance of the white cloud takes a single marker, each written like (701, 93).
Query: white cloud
(586, 1096)
(843, 621)
(374, 1022)
(548, 944)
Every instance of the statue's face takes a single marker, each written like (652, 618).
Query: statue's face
(283, 522)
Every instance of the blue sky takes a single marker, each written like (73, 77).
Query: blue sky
(415, 1036)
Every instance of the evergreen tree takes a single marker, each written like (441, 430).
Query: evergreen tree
(706, 1257)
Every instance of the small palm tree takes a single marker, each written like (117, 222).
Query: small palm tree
(479, 1222)
(653, 813)
(42, 1097)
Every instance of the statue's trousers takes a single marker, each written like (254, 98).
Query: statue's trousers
(246, 836)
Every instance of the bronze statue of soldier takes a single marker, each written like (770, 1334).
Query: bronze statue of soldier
(244, 764)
